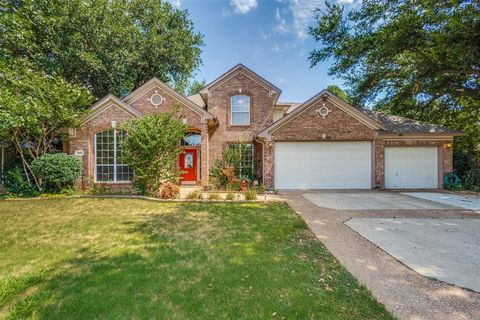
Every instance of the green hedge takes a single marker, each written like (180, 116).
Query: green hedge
(57, 171)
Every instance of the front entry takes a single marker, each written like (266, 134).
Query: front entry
(188, 166)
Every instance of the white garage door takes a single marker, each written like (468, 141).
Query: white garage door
(323, 165)
(410, 168)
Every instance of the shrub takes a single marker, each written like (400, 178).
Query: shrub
(214, 196)
(151, 149)
(250, 194)
(16, 183)
(261, 188)
(234, 186)
(169, 190)
(471, 180)
(230, 196)
(195, 195)
(57, 171)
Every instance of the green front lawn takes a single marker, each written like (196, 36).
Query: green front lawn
(138, 259)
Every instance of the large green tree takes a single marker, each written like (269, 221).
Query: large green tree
(419, 59)
(34, 108)
(109, 46)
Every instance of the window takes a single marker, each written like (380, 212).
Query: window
(192, 139)
(240, 110)
(245, 167)
(109, 163)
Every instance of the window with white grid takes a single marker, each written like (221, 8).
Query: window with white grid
(245, 168)
(240, 110)
(109, 163)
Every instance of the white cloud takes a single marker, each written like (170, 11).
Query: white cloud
(280, 22)
(243, 6)
(303, 13)
(175, 3)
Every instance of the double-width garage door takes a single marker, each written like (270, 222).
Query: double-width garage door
(323, 165)
(411, 168)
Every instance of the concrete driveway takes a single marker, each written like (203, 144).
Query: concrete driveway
(444, 249)
(404, 291)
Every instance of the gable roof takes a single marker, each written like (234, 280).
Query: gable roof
(240, 68)
(324, 94)
(156, 82)
(106, 102)
(197, 99)
(384, 123)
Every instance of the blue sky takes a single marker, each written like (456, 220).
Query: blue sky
(270, 37)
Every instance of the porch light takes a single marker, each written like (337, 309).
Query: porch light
(184, 120)
(448, 145)
(114, 124)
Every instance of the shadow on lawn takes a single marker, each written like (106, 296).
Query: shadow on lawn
(224, 262)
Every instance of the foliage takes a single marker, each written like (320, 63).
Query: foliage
(193, 87)
(339, 92)
(98, 189)
(225, 172)
(471, 180)
(261, 188)
(34, 108)
(230, 196)
(57, 171)
(250, 194)
(194, 195)
(109, 46)
(214, 196)
(152, 152)
(169, 190)
(16, 183)
(418, 59)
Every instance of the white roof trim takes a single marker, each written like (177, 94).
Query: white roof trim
(347, 108)
(107, 102)
(154, 82)
(240, 68)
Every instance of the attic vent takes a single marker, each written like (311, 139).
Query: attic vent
(323, 111)
(156, 99)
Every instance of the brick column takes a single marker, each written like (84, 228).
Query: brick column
(204, 154)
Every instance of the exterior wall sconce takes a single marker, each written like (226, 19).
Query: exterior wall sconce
(447, 145)
(114, 124)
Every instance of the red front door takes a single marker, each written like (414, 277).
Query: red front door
(188, 165)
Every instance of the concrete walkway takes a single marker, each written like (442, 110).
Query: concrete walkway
(407, 294)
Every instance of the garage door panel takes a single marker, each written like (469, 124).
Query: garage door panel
(411, 167)
(323, 165)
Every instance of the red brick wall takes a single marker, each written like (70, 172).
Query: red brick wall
(261, 114)
(143, 105)
(445, 156)
(338, 125)
(84, 139)
(309, 126)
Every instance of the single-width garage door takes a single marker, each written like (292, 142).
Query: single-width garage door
(410, 168)
(323, 165)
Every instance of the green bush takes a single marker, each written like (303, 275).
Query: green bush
(230, 197)
(16, 183)
(214, 196)
(250, 194)
(471, 180)
(57, 171)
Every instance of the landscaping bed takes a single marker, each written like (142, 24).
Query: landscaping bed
(131, 258)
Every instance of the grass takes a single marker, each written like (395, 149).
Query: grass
(132, 259)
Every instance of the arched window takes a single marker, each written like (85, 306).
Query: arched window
(240, 110)
(109, 163)
(192, 139)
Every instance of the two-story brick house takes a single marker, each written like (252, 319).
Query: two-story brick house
(323, 143)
